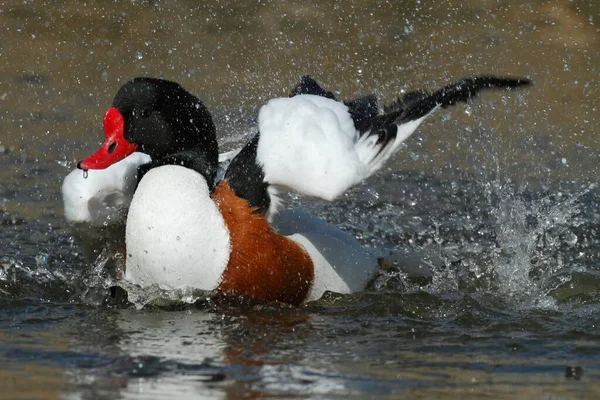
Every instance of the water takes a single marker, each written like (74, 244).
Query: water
(487, 222)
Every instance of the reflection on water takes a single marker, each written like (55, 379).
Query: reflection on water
(329, 349)
(489, 217)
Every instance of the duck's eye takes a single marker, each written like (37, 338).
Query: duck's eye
(145, 113)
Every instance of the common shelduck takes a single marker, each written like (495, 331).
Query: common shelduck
(186, 228)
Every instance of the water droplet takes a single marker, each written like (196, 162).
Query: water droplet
(139, 55)
(570, 238)
(85, 174)
(41, 259)
(178, 238)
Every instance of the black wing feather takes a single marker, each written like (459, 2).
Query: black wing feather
(417, 104)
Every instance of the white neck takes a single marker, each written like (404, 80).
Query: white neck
(175, 236)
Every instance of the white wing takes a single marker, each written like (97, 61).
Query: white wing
(309, 144)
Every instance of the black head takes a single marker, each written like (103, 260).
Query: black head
(163, 118)
(159, 118)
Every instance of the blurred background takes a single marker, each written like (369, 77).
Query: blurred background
(500, 196)
(62, 64)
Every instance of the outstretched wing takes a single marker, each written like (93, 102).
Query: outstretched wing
(320, 147)
(317, 146)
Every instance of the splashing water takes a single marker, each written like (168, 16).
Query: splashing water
(158, 297)
(529, 236)
(487, 240)
(101, 277)
(108, 272)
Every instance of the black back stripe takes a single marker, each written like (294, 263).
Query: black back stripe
(246, 177)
